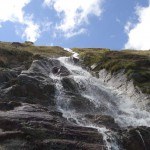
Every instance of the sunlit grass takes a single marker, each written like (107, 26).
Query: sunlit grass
(136, 64)
(16, 53)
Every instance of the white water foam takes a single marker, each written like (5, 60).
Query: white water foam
(124, 111)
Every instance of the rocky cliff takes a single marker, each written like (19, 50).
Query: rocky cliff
(119, 81)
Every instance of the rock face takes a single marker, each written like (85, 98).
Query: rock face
(120, 82)
(103, 120)
(28, 115)
(35, 127)
(136, 138)
(30, 119)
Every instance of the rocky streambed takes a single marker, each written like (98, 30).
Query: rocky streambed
(55, 104)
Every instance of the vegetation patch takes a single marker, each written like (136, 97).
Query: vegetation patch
(135, 63)
(16, 54)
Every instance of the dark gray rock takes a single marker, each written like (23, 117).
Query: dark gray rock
(33, 85)
(136, 138)
(70, 85)
(6, 76)
(34, 127)
(103, 120)
(30, 120)
(6, 106)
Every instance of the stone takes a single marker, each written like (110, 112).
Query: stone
(38, 128)
(136, 138)
(94, 66)
(8, 75)
(103, 120)
(6, 106)
(70, 85)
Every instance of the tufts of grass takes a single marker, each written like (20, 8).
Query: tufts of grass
(50, 51)
(135, 63)
(16, 54)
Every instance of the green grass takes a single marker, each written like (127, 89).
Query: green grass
(91, 55)
(24, 53)
(53, 51)
(136, 64)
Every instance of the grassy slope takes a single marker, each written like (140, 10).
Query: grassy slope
(11, 55)
(135, 63)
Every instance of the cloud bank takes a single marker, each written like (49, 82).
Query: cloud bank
(12, 10)
(139, 34)
(74, 15)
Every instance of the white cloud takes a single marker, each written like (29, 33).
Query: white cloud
(12, 10)
(128, 27)
(118, 20)
(74, 33)
(139, 34)
(74, 14)
(31, 32)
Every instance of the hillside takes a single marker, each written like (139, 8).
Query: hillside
(15, 54)
(50, 102)
(136, 64)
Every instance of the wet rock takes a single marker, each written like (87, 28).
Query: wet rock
(70, 85)
(30, 87)
(68, 144)
(103, 120)
(61, 71)
(75, 59)
(6, 106)
(34, 85)
(64, 71)
(56, 113)
(6, 76)
(34, 127)
(55, 70)
(16, 144)
(81, 104)
(30, 120)
(136, 138)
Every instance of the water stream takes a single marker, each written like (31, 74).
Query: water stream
(104, 100)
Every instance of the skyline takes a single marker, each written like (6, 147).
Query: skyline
(112, 24)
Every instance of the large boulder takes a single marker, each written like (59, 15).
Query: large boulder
(34, 89)
(35, 85)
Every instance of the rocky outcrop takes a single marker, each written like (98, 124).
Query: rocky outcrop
(33, 85)
(120, 82)
(7, 75)
(136, 138)
(30, 119)
(35, 127)
(103, 120)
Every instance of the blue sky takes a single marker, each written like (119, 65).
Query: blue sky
(114, 24)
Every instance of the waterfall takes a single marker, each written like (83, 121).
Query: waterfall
(102, 99)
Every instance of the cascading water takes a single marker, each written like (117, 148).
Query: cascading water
(104, 101)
